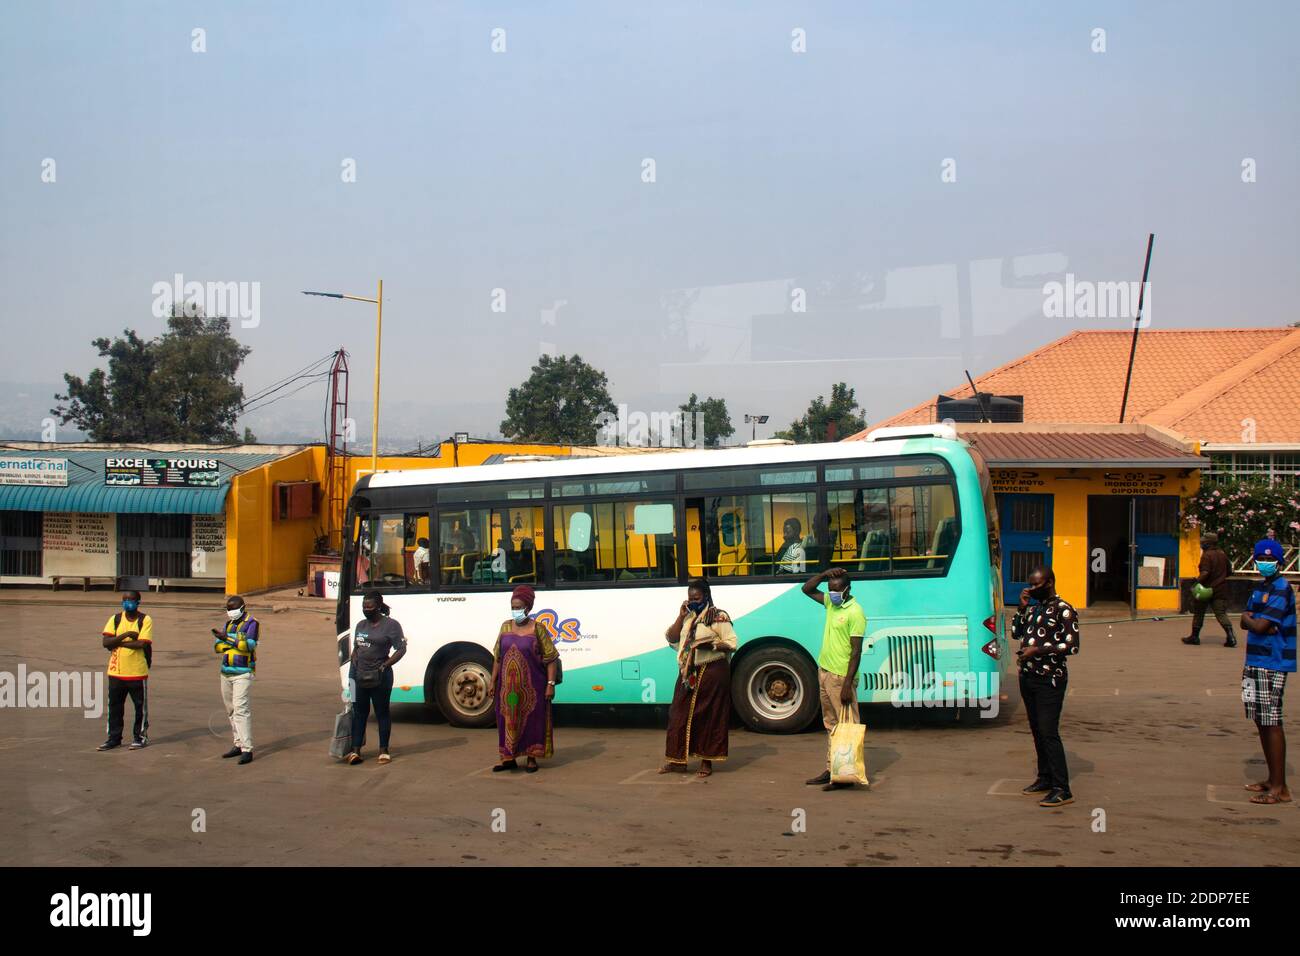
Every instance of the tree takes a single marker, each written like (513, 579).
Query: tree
(843, 410)
(178, 387)
(562, 402)
(717, 420)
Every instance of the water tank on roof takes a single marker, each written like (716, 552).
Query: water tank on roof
(985, 408)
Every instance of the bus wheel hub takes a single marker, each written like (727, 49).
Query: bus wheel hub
(468, 689)
(778, 689)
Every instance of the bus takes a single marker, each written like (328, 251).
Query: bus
(608, 543)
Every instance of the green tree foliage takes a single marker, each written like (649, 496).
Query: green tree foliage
(717, 420)
(178, 387)
(843, 410)
(561, 402)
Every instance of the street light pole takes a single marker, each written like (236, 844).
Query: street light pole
(374, 421)
(378, 302)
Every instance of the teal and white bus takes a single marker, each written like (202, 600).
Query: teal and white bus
(610, 542)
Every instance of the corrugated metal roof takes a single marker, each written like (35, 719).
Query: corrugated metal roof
(87, 493)
(1078, 449)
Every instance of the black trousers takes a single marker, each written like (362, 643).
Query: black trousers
(367, 697)
(1219, 606)
(1043, 704)
(118, 691)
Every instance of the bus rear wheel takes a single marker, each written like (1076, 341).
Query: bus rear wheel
(775, 691)
(461, 690)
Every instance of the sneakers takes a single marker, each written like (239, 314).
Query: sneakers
(109, 745)
(139, 743)
(246, 757)
(820, 780)
(232, 752)
(1057, 798)
(1038, 786)
(1191, 639)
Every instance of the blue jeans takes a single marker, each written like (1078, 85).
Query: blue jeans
(367, 697)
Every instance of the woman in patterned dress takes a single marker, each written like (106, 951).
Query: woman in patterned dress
(523, 685)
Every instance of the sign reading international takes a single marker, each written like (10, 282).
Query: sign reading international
(162, 472)
(34, 471)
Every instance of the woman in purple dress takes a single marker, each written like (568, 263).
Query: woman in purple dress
(523, 684)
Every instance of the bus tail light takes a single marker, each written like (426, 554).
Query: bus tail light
(991, 622)
(991, 649)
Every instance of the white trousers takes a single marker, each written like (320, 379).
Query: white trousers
(237, 692)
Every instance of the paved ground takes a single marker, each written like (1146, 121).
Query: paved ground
(1155, 733)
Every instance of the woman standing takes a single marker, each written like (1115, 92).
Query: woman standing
(523, 683)
(701, 707)
(377, 645)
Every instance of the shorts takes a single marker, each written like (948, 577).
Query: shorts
(1261, 692)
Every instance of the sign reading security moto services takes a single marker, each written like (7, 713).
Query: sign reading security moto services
(161, 472)
(34, 471)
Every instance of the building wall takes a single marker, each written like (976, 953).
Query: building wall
(1070, 489)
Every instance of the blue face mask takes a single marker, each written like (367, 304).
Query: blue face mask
(1266, 568)
(130, 606)
(695, 607)
(837, 597)
(519, 614)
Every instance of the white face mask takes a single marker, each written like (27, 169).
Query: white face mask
(236, 614)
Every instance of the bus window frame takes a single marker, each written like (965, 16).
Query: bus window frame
(361, 516)
(947, 476)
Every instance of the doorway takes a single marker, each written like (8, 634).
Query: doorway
(1108, 548)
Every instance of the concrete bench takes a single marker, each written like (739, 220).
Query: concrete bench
(85, 579)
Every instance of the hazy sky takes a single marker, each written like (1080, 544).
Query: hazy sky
(774, 171)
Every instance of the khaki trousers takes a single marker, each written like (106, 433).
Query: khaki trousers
(831, 686)
(237, 693)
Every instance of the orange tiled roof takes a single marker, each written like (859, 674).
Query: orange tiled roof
(1199, 382)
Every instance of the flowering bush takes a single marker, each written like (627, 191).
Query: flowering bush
(1242, 512)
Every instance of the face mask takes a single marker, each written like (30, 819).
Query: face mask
(236, 614)
(130, 605)
(695, 607)
(1038, 593)
(1266, 568)
(519, 614)
(837, 597)
(372, 614)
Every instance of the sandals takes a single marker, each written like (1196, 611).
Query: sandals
(531, 766)
(385, 757)
(506, 765)
(1268, 798)
(354, 757)
(672, 768)
(706, 770)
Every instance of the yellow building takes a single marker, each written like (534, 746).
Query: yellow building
(242, 519)
(1100, 504)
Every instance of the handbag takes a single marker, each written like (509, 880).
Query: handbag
(847, 758)
(369, 675)
(342, 740)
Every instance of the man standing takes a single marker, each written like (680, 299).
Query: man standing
(841, 653)
(1269, 623)
(1213, 574)
(129, 636)
(237, 645)
(1048, 632)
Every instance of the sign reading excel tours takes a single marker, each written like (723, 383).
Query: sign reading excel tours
(34, 471)
(161, 472)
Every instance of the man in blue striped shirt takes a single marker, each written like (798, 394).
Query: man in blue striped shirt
(1270, 626)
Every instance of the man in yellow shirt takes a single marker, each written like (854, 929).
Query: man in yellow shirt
(841, 654)
(129, 637)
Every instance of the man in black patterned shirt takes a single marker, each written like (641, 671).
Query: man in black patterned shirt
(1048, 632)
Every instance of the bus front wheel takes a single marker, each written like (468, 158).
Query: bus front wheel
(461, 690)
(775, 690)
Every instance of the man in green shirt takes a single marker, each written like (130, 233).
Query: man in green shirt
(841, 653)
